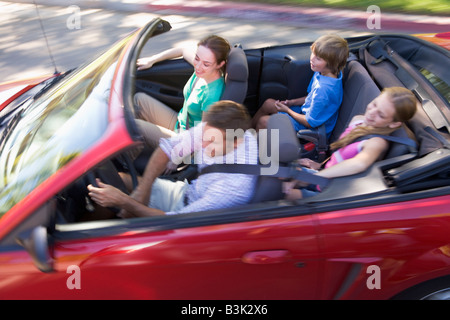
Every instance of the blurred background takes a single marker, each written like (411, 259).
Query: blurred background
(403, 6)
(78, 30)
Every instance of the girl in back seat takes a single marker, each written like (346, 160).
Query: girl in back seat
(383, 115)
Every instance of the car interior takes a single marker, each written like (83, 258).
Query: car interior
(283, 72)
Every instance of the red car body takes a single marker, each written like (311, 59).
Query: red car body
(369, 250)
(291, 258)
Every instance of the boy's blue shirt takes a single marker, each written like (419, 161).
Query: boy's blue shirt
(322, 103)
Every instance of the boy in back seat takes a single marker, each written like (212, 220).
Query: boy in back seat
(329, 55)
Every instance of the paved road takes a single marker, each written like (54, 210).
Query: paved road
(75, 35)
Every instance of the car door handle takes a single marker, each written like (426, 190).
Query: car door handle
(266, 257)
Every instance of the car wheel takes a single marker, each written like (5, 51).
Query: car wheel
(436, 289)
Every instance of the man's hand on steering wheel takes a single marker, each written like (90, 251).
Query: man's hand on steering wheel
(106, 195)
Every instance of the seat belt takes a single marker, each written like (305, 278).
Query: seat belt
(284, 172)
(406, 141)
(290, 172)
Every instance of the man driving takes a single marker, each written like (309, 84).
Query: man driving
(223, 136)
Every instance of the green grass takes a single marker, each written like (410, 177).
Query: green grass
(436, 7)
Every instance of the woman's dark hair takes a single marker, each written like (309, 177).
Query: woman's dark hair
(219, 46)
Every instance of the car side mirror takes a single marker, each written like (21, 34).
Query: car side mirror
(37, 245)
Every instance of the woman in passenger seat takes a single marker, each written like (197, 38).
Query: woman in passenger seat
(204, 87)
(329, 54)
(383, 115)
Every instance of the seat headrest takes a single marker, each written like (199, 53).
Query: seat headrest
(289, 146)
(237, 68)
(236, 77)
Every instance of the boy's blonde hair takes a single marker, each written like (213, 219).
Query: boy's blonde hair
(405, 105)
(333, 49)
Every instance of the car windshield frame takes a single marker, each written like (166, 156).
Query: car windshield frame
(58, 126)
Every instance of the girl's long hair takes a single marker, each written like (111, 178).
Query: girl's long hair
(405, 104)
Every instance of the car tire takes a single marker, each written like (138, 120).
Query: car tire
(436, 289)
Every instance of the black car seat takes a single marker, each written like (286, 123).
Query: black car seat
(236, 77)
(268, 188)
(359, 91)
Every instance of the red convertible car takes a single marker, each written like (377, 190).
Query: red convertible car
(382, 234)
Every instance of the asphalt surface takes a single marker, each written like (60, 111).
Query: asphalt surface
(78, 30)
(291, 15)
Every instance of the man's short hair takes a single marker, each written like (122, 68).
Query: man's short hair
(227, 115)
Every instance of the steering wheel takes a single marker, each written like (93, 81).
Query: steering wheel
(109, 174)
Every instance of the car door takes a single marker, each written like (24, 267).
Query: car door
(377, 251)
(181, 257)
(165, 82)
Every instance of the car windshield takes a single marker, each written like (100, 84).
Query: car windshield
(50, 131)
